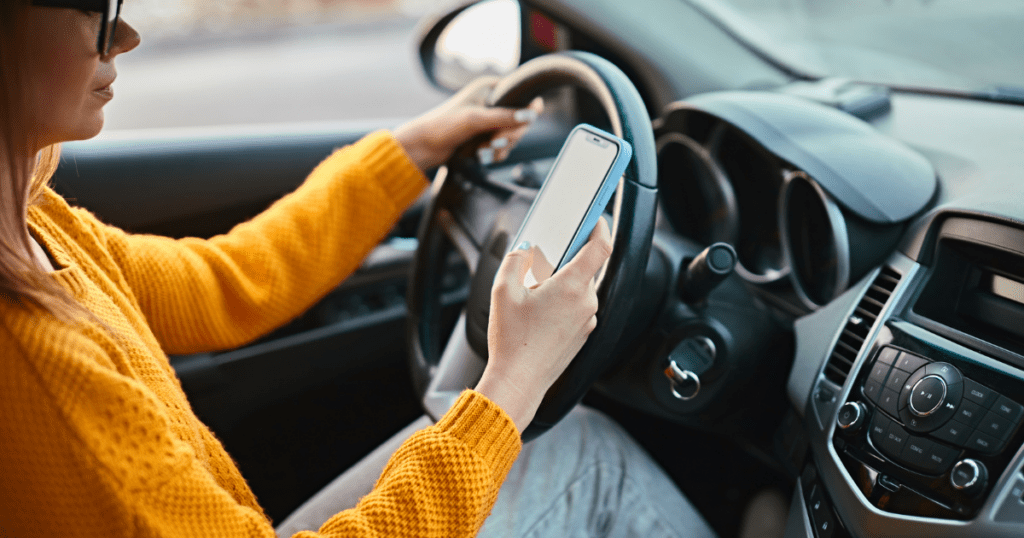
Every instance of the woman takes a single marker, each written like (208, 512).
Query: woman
(97, 437)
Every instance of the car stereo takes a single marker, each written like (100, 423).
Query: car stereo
(933, 427)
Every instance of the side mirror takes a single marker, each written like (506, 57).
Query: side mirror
(469, 39)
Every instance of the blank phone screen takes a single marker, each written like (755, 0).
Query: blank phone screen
(562, 204)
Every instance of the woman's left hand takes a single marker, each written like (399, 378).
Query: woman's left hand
(431, 139)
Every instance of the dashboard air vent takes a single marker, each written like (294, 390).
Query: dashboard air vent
(859, 325)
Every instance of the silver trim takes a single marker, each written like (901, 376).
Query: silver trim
(730, 229)
(977, 474)
(938, 404)
(840, 238)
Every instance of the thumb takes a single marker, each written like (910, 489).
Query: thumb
(513, 270)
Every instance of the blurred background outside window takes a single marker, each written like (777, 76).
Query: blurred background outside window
(232, 62)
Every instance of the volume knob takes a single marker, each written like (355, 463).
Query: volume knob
(851, 417)
(969, 476)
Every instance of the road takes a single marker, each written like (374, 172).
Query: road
(324, 73)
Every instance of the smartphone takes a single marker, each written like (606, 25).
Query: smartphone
(572, 198)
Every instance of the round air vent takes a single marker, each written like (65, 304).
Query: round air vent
(815, 240)
(697, 198)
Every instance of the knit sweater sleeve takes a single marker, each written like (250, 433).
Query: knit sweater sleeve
(442, 482)
(218, 293)
(89, 452)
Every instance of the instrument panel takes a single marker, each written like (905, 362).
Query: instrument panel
(805, 220)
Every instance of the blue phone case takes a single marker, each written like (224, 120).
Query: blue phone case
(604, 194)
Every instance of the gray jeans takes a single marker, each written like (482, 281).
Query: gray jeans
(586, 477)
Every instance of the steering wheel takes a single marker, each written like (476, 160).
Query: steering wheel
(479, 215)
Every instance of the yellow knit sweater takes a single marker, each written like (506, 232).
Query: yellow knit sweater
(96, 435)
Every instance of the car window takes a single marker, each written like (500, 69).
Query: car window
(234, 62)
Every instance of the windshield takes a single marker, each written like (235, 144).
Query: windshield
(974, 46)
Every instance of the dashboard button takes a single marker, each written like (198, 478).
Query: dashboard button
(995, 425)
(979, 393)
(819, 507)
(889, 402)
(879, 429)
(908, 362)
(915, 452)
(914, 424)
(927, 456)
(1008, 409)
(897, 378)
(825, 525)
(969, 413)
(946, 371)
(878, 373)
(983, 443)
(888, 355)
(895, 440)
(941, 457)
(927, 395)
(872, 389)
(954, 432)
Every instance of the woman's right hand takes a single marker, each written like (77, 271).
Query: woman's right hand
(534, 333)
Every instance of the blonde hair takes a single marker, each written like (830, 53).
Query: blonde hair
(23, 178)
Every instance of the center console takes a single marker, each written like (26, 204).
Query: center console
(934, 425)
(915, 418)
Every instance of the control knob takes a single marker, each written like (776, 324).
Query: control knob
(851, 417)
(969, 476)
(928, 395)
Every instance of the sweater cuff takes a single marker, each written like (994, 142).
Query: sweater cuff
(486, 429)
(385, 160)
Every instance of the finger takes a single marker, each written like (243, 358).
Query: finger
(479, 119)
(512, 272)
(600, 230)
(508, 123)
(508, 138)
(591, 257)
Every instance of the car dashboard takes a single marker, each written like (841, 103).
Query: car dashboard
(887, 235)
(909, 368)
(895, 253)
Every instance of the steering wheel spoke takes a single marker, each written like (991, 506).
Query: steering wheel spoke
(460, 367)
(466, 211)
(464, 243)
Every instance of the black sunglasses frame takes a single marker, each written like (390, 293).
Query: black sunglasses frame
(108, 24)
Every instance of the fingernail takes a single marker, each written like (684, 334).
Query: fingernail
(525, 115)
(486, 156)
(499, 143)
(525, 245)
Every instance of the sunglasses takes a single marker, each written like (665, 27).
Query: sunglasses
(111, 10)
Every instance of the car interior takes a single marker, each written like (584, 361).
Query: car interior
(816, 286)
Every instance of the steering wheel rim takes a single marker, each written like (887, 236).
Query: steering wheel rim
(461, 200)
